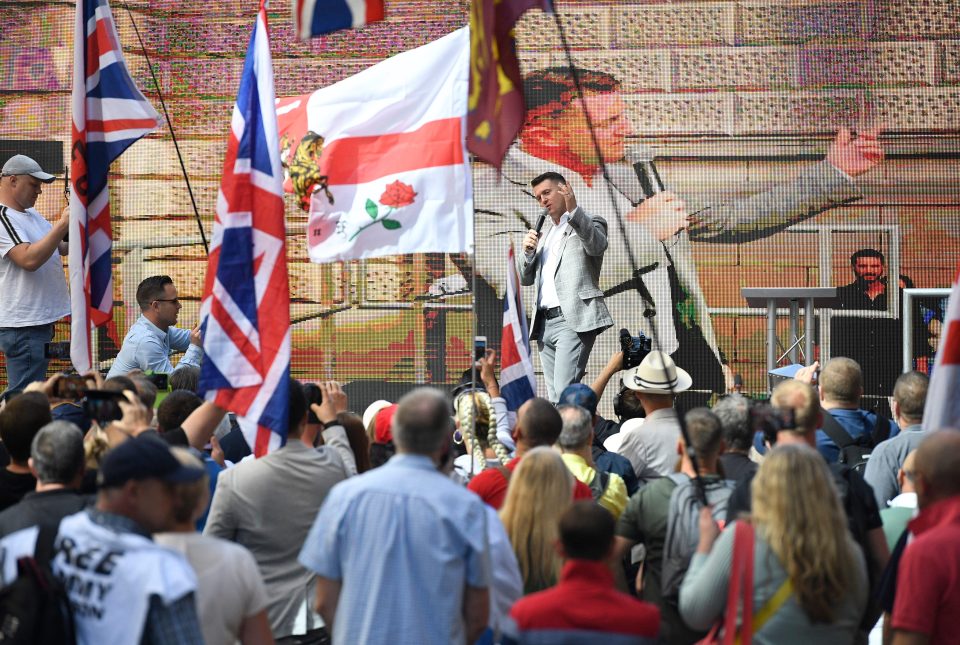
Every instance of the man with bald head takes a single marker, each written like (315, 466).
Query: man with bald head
(538, 424)
(903, 507)
(927, 607)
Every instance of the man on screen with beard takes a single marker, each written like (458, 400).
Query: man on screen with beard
(660, 229)
(875, 343)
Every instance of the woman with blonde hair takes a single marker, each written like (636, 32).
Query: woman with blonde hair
(809, 581)
(540, 490)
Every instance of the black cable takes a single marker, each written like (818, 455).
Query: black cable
(691, 452)
(173, 134)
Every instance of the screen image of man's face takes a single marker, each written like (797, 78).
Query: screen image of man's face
(868, 269)
(608, 113)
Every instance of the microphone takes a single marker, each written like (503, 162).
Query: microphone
(541, 220)
(641, 158)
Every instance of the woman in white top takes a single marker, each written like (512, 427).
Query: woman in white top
(231, 598)
(801, 535)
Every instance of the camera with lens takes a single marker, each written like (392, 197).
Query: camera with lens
(770, 420)
(634, 348)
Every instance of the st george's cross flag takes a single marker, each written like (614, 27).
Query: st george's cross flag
(942, 409)
(109, 114)
(379, 159)
(518, 381)
(245, 313)
(318, 17)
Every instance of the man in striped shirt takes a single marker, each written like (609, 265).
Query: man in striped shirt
(31, 273)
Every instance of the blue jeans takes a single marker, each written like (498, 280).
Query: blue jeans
(23, 349)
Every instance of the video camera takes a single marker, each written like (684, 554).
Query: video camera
(634, 348)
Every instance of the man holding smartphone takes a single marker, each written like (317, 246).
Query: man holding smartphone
(31, 273)
(565, 266)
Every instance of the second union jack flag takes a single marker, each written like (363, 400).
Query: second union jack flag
(245, 315)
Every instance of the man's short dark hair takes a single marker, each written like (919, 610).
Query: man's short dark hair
(185, 378)
(298, 408)
(20, 421)
(867, 253)
(630, 406)
(548, 176)
(548, 92)
(705, 431)
(910, 392)
(586, 531)
(57, 453)
(540, 423)
(146, 390)
(733, 411)
(119, 384)
(175, 409)
(151, 289)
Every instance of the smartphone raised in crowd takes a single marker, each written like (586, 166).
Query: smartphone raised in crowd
(479, 347)
(103, 406)
(70, 387)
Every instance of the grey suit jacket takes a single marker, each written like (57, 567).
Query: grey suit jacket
(578, 273)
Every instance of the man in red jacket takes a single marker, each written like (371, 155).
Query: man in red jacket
(584, 607)
(927, 607)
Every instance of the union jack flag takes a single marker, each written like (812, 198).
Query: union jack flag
(518, 381)
(318, 17)
(245, 315)
(109, 114)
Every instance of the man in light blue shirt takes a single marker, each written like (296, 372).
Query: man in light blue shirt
(401, 551)
(148, 344)
(886, 460)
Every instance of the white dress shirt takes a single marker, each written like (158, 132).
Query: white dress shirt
(547, 297)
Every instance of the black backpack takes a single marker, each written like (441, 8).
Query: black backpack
(35, 608)
(853, 452)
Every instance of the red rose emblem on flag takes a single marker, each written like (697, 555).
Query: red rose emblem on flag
(397, 194)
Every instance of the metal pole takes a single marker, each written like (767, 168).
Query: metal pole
(771, 334)
(794, 330)
(808, 330)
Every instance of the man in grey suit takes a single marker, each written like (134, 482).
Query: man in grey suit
(660, 230)
(565, 266)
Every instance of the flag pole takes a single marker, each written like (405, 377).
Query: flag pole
(173, 134)
(630, 255)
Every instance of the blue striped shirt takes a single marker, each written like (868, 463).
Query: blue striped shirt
(404, 541)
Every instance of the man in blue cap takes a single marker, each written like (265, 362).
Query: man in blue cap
(122, 587)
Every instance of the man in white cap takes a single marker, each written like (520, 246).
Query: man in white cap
(31, 273)
(652, 447)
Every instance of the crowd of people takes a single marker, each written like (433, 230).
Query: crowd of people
(138, 512)
(452, 520)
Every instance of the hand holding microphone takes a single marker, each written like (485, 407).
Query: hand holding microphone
(533, 235)
(662, 212)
